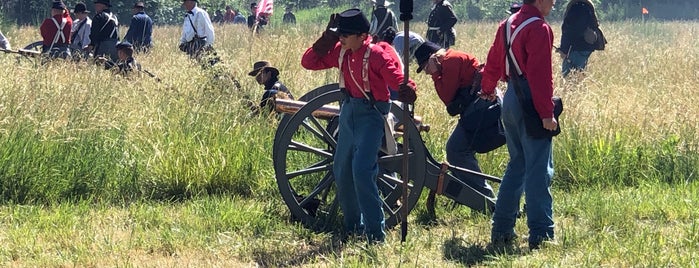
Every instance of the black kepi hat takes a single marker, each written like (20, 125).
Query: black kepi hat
(80, 8)
(514, 8)
(261, 65)
(423, 53)
(104, 2)
(58, 5)
(124, 45)
(352, 21)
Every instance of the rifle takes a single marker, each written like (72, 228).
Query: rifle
(23, 52)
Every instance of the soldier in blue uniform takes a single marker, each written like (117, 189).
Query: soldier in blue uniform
(141, 29)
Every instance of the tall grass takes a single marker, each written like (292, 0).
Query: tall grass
(102, 170)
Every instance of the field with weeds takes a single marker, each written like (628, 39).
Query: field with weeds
(98, 170)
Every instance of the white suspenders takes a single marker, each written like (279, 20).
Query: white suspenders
(365, 71)
(111, 17)
(510, 38)
(59, 32)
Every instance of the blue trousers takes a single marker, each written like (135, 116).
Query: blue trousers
(356, 168)
(577, 60)
(529, 170)
(459, 153)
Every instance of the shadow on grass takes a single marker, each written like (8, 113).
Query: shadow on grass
(457, 250)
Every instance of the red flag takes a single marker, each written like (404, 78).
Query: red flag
(643, 10)
(264, 7)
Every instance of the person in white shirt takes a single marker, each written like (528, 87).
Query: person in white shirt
(4, 43)
(197, 30)
(80, 33)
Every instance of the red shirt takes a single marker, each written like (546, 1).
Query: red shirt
(532, 48)
(458, 69)
(48, 29)
(384, 73)
(229, 16)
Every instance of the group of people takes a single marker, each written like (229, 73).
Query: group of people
(97, 36)
(521, 55)
(233, 16)
(368, 56)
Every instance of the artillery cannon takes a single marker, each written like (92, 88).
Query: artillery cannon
(304, 144)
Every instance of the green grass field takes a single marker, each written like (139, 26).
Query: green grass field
(98, 170)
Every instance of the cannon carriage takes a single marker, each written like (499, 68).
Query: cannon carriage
(303, 150)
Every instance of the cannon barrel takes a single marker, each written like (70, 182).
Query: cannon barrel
(327, 112)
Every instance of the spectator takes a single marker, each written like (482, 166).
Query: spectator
(229, 16)
(218, 17)
(289, 16)
(239, 18)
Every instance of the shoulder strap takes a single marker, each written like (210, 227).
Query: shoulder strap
(509, 38)
(383, 22)
(365, 72)
(111, 17)
(59, 32)
(193, 28)
(77, 31)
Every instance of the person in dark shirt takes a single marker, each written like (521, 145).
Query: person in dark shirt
(440, 24)
(578, 40)
(267, 75)
(255, 22)
(289, 16)
(239, 18)
(140, 30)
(104, 34)
(126, 64)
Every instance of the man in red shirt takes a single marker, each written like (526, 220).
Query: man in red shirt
(362, 114)
(531, 159)
(229, 16)
(453, 74)
(56, 31)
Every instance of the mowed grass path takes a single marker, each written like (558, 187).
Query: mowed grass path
(102, 171)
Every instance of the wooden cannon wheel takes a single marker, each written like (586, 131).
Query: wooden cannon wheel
(303, 158)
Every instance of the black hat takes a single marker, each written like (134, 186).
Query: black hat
(514, 8)
(124, 45)
(253, 5)
(423, 53)
(352, 21)
(58, 5)
(105, 2)
(262, 65)
(139, 5)
(80, 8)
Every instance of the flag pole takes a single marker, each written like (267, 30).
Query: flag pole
(406, 14)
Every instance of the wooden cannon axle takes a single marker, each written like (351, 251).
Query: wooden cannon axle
(328, 112)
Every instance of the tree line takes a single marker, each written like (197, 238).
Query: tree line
(32, 12)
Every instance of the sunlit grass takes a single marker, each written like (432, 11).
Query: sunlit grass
(101, 170)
